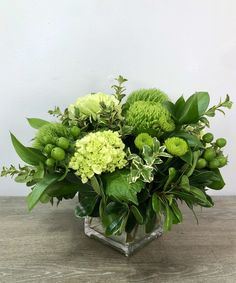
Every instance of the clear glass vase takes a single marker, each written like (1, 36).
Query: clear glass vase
(126, 243)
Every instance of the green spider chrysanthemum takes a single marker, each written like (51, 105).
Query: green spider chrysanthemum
(49, 133)
(176, 146)
(143, 139)
(152, 94)
(149, 117)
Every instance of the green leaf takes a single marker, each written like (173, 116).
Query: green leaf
(117, 185)
(171, 176)
(170, 107)
(23, 178)
(194, 108)
(203, 178)
(45, 198)
(177, 211)
(88, 198)
(199, 194)
(114, 218)
(169, 198)
(196, 155)
(34, 197)
(39, 174)
(138, 216)
(188, 157)
(203, 102)
(205, 121)
(179, 106)
(219, 183)
(95, 185)
(37, 123)
(150, 218)
(184, 183)
(156, 145)
(156, 203)
(146, 173)
(28, 155)
(63, 189)
(148, 155)
(168, 217)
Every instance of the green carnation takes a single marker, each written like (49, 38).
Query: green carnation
(90, 105)
(149, 117)
(49, 133)
(143, 139)
(176, 146)
(96, 153)
(152, 94)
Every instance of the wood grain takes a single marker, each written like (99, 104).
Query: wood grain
(48, 245)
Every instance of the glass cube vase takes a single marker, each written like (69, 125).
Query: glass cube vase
(126, 243)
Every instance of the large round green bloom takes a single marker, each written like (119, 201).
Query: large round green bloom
(96, 153)
(176, 146)
(90, 105)
(149, 117)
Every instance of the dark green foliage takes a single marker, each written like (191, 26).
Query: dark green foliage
(190, 111)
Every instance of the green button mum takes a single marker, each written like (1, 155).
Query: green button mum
(176, 146)
(143, 139)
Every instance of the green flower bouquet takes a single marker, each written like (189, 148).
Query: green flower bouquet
(130, 164)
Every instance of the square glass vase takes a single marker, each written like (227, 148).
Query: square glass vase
(126, 243)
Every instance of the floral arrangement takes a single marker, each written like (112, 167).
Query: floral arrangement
(129, 163)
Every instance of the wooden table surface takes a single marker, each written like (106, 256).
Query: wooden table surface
(48, 245)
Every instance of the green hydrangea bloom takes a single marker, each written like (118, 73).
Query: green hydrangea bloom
(49, 133)
(149, 117)
(96, 153)
(143, 139)
(152, 94)
(176, 146)
(89, 105)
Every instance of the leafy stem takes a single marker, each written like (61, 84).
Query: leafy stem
(227, 103)
(119, 88)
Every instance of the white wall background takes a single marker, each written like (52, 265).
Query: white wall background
(53, 51)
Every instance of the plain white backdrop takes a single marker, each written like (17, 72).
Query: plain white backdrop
(53, 51)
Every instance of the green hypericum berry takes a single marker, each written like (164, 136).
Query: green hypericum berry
(143, 139)
(48, 148)
(209, 154)
(222, 160)
(45, 198)
(58, 154)
(75, 131)
(201, 163)
(208, 137)
(221, 142)
(63, 143)
(213, 164)
(50, 162)
(176, 146)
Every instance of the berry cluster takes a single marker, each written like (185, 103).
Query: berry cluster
(212, 157)
(58, 150)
